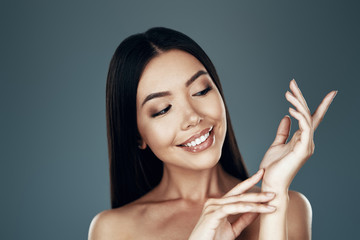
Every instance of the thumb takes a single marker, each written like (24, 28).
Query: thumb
(283, 131)
(243, 221)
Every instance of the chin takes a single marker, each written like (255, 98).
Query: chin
(208, 156)
(205, 160)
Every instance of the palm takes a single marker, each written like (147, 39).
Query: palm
(274, 154)
(283, 160)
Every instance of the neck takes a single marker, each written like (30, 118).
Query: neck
(194, 185)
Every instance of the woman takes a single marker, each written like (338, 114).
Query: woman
(175, 168)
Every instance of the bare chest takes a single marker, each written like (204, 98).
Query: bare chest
(167, 225)
(179, 225)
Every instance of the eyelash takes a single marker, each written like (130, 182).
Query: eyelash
(165, 110)
(161, 112)
(203, 92)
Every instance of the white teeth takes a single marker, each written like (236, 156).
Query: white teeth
(199, 140)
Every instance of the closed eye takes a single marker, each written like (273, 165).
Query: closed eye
(162, 112)
(203, 92)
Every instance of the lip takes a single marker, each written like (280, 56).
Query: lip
(201, 147)
(192, 138)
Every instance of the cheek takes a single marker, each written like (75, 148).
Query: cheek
(215, 108)
(158, 135)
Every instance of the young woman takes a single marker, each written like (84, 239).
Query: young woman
(175, 168)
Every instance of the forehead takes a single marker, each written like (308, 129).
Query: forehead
(167, 70)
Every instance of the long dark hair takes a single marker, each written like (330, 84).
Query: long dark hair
(134, 172)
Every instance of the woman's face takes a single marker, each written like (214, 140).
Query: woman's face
(180, 112)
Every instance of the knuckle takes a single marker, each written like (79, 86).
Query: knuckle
(208, 214)
(209, 202)
(209, 210)
(312, 148)
(224, 209)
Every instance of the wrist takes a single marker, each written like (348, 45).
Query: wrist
(276, 189)
(275, 186)
(281, 199)
(275, 224)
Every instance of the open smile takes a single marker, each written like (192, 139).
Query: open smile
(200, 141)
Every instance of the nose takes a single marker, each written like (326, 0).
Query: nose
(191, 118)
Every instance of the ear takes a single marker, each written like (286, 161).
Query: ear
(141, 144)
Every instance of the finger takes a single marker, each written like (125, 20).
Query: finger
(298, 94)
(262, 197)
(241, 207)
(304, 127)
(303, 123)
(243, 221)
(214, 215)
(283, 131)
(299, 106)
(245, 185)
(322, 108)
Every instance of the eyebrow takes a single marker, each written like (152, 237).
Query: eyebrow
(167, 93)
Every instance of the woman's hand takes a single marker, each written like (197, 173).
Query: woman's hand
(214, 223)
(283, 160)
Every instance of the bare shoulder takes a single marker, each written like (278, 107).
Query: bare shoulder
(113, 224)
(299, 216)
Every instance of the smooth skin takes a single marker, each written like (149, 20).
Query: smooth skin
(283, 160)
(196, 198)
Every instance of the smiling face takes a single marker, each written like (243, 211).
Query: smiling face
(180, 113)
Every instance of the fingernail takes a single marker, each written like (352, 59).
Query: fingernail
(270, 194)
(335, 93)
(332, 99)
(271, 207)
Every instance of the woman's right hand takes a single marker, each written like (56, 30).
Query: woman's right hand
(213, 223)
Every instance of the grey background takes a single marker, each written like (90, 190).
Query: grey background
(54, 59)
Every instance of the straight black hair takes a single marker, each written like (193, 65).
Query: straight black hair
(134, 172)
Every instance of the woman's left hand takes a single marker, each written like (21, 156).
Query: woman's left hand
(283, 160)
